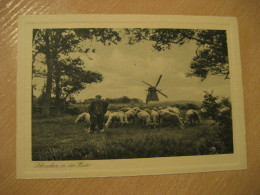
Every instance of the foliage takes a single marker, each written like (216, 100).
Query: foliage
(70, 77)
(225, 102)
(211, 55)
(72, 100)
(119, 100)
(73, 111)
(221, 113)
(124, 100)
(211, 105)
(224, 120)
(65, 75)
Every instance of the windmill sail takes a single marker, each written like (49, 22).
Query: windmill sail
(158, 81)
(147, 84)
(162, 94)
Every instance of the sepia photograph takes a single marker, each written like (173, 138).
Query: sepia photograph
(105, 93)
(121, 93)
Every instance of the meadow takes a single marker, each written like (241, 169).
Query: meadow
(61, 139)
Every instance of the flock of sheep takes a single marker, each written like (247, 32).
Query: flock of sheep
(169, 116)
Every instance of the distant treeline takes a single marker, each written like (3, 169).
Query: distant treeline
(70, 107)
(120, 100)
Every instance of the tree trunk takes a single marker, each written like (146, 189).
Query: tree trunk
(49, 62)
(58, 101)
(47, 95)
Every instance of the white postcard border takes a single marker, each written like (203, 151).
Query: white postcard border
(27, 169)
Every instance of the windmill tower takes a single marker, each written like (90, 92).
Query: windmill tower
(152, 91)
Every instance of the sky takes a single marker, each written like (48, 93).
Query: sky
(124, 67)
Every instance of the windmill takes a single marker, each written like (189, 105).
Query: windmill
(152, 91)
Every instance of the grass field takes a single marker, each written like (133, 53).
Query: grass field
(61, 139)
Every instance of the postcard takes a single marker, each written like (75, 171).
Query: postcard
(128, 95)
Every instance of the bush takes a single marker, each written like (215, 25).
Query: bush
(221, 113)
(73, 111)
(224, 120)
(211, 105)
(192, 106)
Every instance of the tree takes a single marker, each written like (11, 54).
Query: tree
(211, 55)
(211, 105)
(221, 113)
(225, 102)
(69, 78)
(72, 100)
(55, 45)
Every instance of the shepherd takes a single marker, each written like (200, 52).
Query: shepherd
(97, 111)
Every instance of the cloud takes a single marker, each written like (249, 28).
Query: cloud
(125, 66)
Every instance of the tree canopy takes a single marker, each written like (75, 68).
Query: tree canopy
(211, 55)
(66, 75)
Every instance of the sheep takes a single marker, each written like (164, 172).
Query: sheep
(116, 118)
(144, 118)
(137, 109)
(84, 117)
(192, 117)
(170, 118)
(130, 116)
(173, 110)
(154, 117)
(106, 116)
(125, 109)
